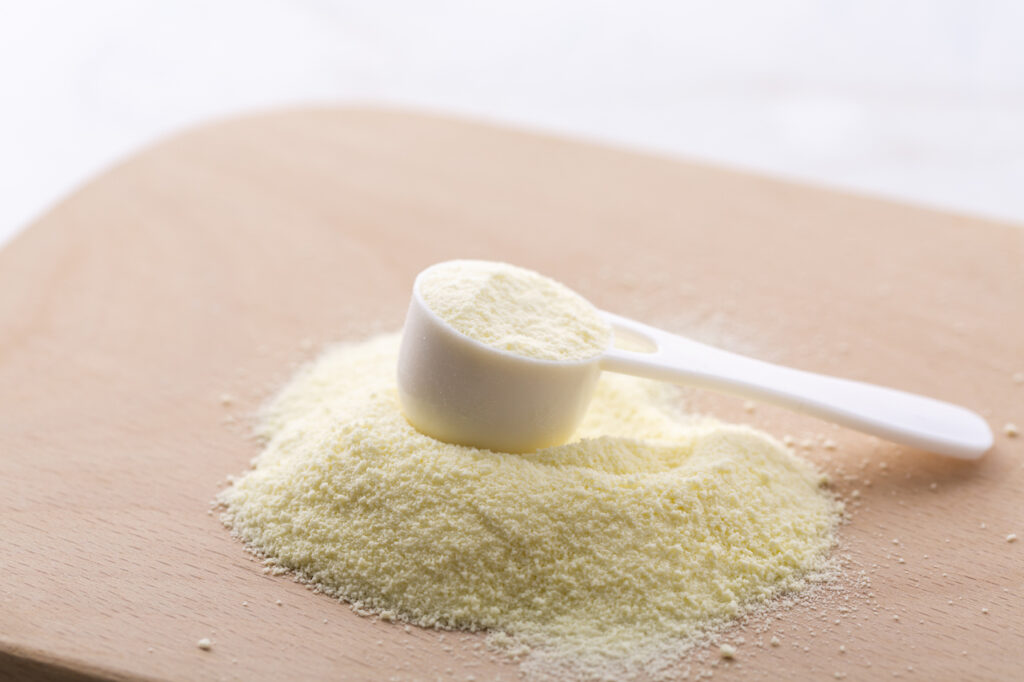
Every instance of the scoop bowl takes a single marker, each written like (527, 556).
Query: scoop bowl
(459, 390)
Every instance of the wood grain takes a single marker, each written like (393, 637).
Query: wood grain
(215, 262)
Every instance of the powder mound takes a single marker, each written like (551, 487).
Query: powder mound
(648, 529)
(514, 309)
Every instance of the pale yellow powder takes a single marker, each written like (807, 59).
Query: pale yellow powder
(646, 530)
(514, 309)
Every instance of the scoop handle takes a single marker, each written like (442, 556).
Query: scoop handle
(897, 416)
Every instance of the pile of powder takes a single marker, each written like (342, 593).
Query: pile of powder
(644, 532)
(514, 309)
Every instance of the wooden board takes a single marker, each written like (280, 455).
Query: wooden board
(215, 262)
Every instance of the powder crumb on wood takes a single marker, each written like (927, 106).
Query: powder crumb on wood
(1012, 537)
(774, 641)
(1011, 430)
(727, 652)
(205, 644)
(226, 399)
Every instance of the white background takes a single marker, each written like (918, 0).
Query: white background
(919, 100)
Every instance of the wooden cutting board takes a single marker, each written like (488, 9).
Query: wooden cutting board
(144, 319)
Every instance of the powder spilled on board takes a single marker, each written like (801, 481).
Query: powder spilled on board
(632, 540)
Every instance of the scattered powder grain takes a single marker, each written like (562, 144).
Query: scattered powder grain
(1011, 430)
(642, 534)
(515, 310)
(205, 644)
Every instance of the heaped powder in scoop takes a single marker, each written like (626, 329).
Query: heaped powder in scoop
(515, 310)
(638, 536)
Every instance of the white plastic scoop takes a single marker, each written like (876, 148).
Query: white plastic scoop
(461, 391)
